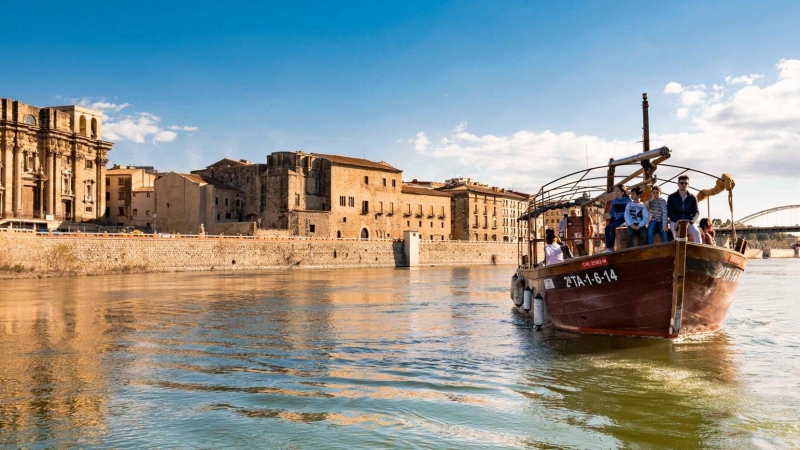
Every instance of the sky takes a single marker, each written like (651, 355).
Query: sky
(512, 94)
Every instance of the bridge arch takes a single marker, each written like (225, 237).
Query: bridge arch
(753, 216)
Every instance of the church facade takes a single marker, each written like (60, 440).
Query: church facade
(52, 163)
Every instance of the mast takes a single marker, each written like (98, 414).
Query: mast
(645, 123)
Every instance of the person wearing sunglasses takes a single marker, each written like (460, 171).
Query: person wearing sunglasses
(658, 217)
(682, 205)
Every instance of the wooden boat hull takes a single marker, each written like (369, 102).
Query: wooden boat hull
(642, 291)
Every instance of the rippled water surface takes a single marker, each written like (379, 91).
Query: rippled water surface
(428, 358)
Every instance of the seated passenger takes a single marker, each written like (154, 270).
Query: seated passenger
(707, 230)
(616, 216)
(658, 217)
(682, 205)
(636, 218)
(552, 251)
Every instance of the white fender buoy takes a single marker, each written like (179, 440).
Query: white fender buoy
(538, 310)
(513, 282)
(526, 304)
(519, 296)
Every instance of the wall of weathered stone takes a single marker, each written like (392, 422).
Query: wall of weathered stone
(25, 254)
(455, 253)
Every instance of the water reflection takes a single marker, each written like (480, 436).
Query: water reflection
(418, 357)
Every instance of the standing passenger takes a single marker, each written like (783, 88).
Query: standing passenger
(616, 216)
(658, 217)
(636, 218)
(562, 227)
(682, 205)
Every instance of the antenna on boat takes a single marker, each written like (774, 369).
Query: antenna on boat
(646, 123)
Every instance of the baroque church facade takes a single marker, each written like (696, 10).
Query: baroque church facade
(52, 163)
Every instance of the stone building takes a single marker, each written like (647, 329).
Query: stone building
(52, 164)
(321, 195)
(427, 211)
(130, 196)
(246, 176)
(185, 201)
(483, 213)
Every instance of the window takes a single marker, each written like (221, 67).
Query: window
(384, 182)
(420, 224)
(442, 224)
(108, 196)
(108, 211)
(393, 183)
(419, 210)
(228, 216)
(364, 207)
(216, 201)
(148, 195)
(296, 199)
(135, 212)
(226, 202)
(351, 202)
(121, 211)
(391, 207)
(120, 181)
(366, 179)
(485, 221)
(408, 209)
(342, 200)
(108, 181)
(344, 219)
(147, 212)
(120, 195)
(89, 164)
(88, 208)
(380, 207)
(431, 224)
(476, 221)
(408, 223)
(311, 228)
(218, 217)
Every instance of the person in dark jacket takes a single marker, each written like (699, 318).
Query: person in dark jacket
(682, 205)
(616, 217)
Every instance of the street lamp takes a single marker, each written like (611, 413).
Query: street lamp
(154, 224)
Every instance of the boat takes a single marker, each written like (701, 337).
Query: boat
(664, 290)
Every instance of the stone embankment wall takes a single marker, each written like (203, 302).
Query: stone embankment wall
(26, 254)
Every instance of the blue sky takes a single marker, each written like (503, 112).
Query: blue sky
(505, 92)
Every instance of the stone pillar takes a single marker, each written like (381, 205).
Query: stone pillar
(55, 181)
(49, 184)
(17, 180)
(78, 188)
(8, 177)
(100, 202)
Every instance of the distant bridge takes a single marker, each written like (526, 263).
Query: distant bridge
(742, 227)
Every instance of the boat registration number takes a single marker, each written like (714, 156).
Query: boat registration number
(590, 278)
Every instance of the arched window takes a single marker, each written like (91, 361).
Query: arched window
(338, 235)
(94, 127)
(29, 120)
(82, 123)
(364, 233)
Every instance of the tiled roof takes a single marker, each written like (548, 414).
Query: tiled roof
(486, 190)
(206, 180)
(358, 162)
(423, 191)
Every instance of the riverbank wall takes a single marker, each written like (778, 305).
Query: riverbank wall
(31, 255)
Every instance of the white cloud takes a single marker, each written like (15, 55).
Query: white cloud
(673, 88)
(182, 128)
(165, 136)
(752, 131)
(135, 127)
(744, 79)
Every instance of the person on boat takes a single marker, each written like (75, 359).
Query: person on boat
(562, 227)
(707, 229)
(552, 251)
(658, 217)
(682, 205)
(616, 216)
(636, 218)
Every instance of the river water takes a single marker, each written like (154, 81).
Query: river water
(378, 358)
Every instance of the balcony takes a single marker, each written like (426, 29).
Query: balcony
(406, 214)
(442, 217)
(431, 216)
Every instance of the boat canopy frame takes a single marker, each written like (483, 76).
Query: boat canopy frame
(583, 188)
